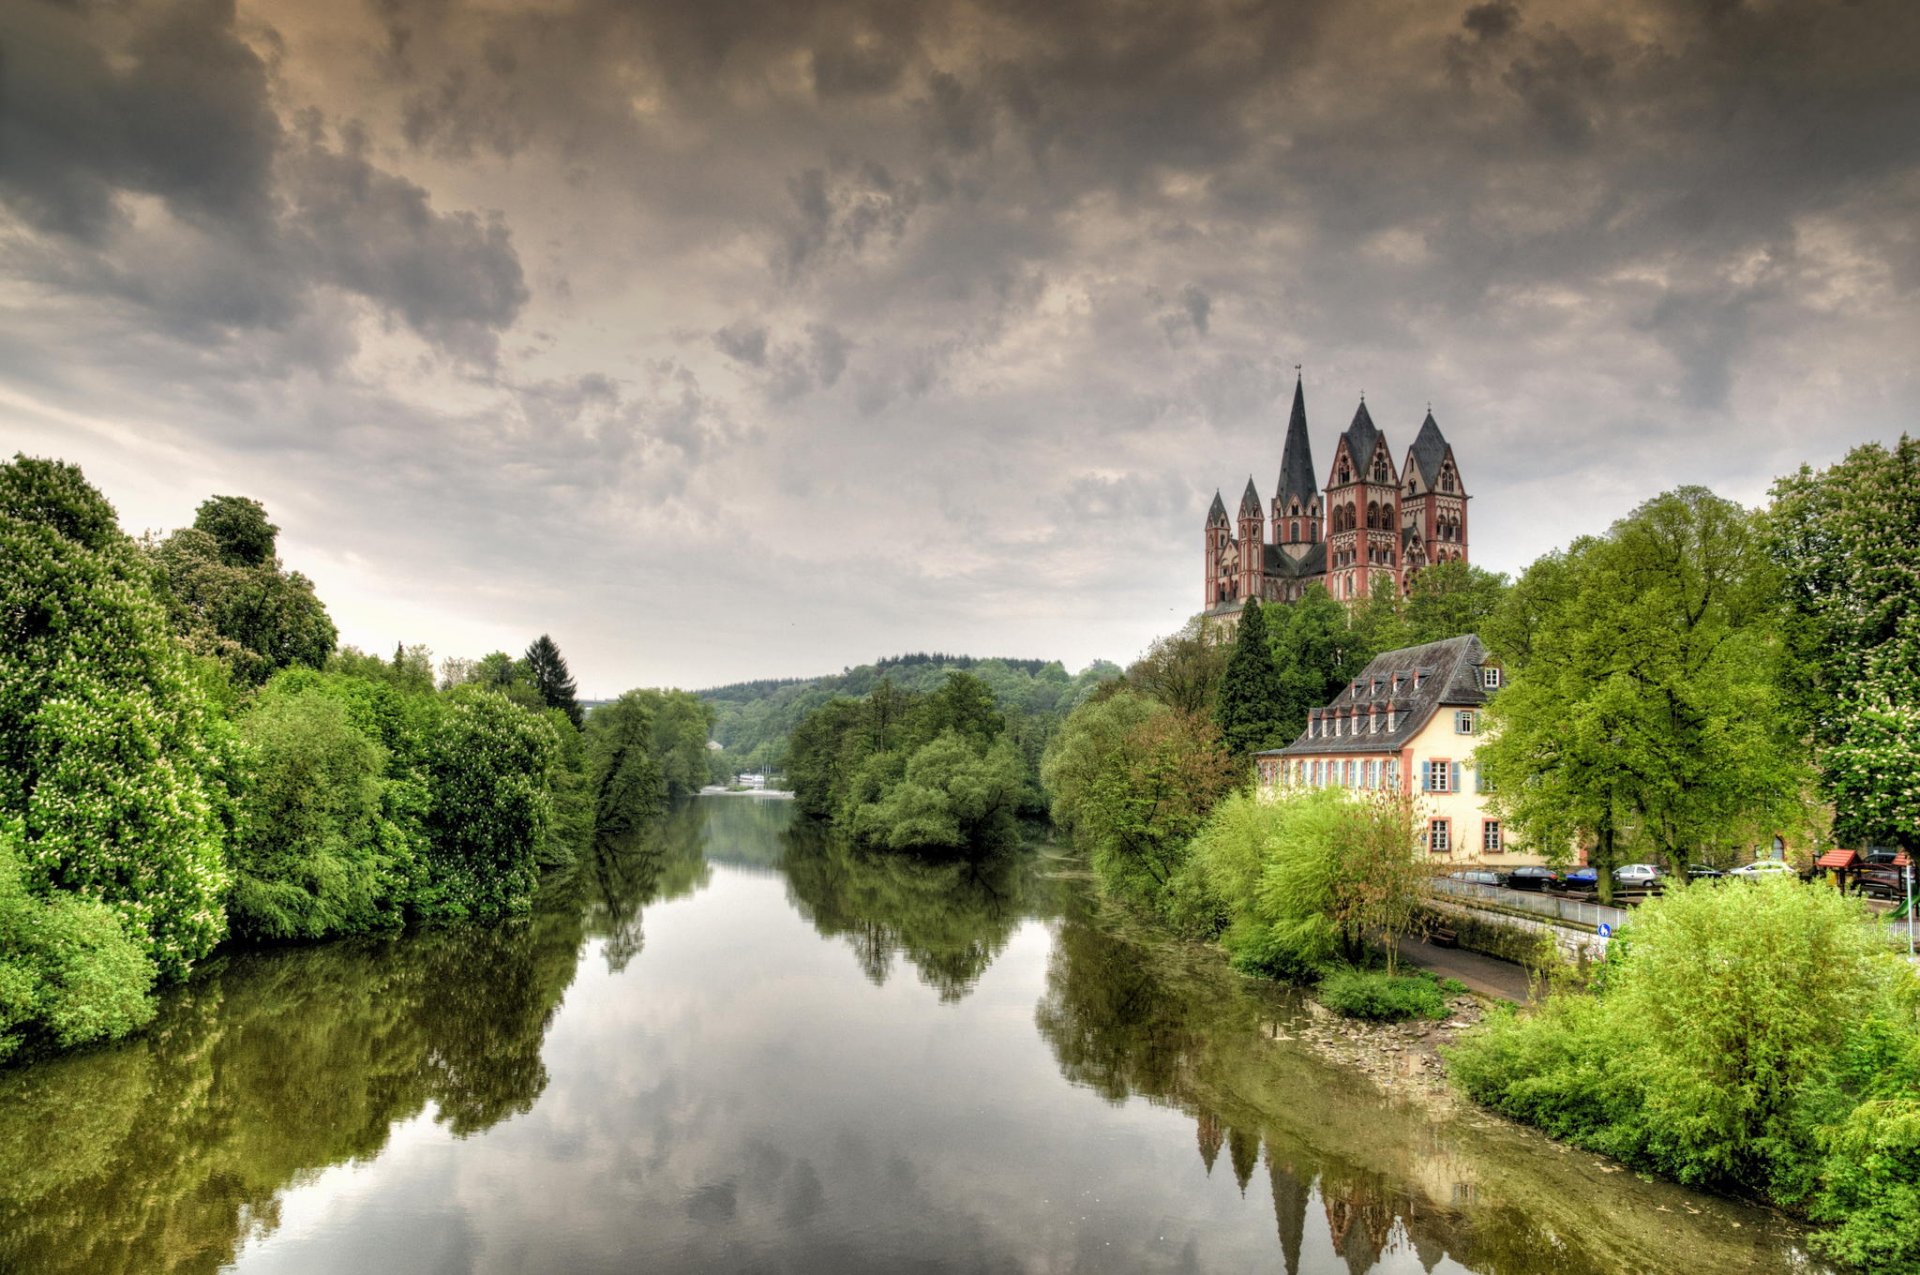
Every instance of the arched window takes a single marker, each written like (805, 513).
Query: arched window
(1294, 532)
(1373, 514)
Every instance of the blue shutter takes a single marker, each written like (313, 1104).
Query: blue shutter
(1456, 777)
(1426, 777)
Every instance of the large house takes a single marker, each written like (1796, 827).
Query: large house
(1374, 527)
(1409, 724)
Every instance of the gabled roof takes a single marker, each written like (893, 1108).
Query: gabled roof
(1219, 511)
(1448, 673)
(1296, 457)
(1429, 450)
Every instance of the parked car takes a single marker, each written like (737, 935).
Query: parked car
(1701, 872)
(1764, 868)
(1642, 875)
(1478, 876)
(1532, 878)
(1585, 879)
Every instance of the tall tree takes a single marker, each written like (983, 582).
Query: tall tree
(1183, 670)
(1847, 539)
(1645, 709)
(1248, 706)
(229, 597)
(548, 669)
(1317, 651)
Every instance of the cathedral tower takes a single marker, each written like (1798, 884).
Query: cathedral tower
(1253, 543)
(1363, 512)
(1219, 584)
(1433, 504)
(1296, 499)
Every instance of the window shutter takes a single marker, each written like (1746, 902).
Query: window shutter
(1455, 786)
(1426, 777)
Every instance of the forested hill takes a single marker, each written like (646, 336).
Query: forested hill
(756, 717)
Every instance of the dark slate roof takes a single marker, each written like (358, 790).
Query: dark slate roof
(1429, 449)
(1251, 500)
(1451, 680)
(1219, 511)
(1278, 562)
(1296, 458)
(1361, 436)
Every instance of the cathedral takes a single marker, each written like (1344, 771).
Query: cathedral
(1374, 526)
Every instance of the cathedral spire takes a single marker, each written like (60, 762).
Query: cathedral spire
(1218, 514)
(1429, 449)
(1296, 458)
(1250, 502)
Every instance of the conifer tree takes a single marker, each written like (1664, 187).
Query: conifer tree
(1250, 706)
(548, 669)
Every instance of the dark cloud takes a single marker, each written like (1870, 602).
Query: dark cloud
(975, 278)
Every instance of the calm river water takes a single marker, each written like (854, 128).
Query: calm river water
(733, 1046)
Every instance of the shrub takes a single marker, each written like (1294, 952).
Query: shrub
(70, 974)
(1383, 997)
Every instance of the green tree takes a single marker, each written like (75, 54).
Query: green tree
(1092, 736)
(306, 863)
(1317, 653)
(1644, 708)
(1846, 540)
(623, 778)
(1450, 599)
(229, 597)
(547, 669)
(1183, 671)
(487, 764)
(1248, 705)
(111, 759)
(1146, 800)
(951, 795)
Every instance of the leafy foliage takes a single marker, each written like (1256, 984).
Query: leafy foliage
(1847, 539)
(229, 598)
(1382, 996)
(112, 760)
(1643, 706)
(623, 777)
(487, 763)
(1755, 1036)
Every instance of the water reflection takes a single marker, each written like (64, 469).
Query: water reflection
(162, 1153)
(948, 918)
(724, 1089)
(1133, 1016)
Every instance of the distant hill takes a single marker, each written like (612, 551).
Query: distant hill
(755, 718)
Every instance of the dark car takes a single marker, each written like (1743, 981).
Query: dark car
(1533, 878)
(1479, 876)
(1701, 872)
(1586, 879)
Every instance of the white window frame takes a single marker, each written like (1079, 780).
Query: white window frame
(1440, 835)
(1493, 838)
(1463, 721)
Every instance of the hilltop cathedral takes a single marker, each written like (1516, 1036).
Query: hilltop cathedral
(1375, 525)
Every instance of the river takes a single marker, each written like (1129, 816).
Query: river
(730, 1044)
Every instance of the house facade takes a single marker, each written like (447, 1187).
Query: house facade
(1409, 724)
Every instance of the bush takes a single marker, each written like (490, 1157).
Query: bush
(1757, 1036)
(1383, 997)
(70, 974)
(487, 766)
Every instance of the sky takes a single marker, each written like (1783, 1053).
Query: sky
(742, 338)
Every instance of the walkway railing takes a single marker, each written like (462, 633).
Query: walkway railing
(1550, 906)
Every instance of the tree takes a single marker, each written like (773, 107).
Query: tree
(1183, 671)
(1085, 745)
(1248, 704)
(111, 759)
(229, 598)
(951, 795)
(623, 779)
(1147, 798)
(548, 670)
(1846, 540)
(488, 763)
(1317, 653)
(1450, 599)
(1643, 708)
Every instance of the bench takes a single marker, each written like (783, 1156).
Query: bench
(1441, 936)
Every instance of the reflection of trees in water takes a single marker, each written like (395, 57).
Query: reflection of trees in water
(948, 918)
(1131, 1015)
(630, 869)
(164, 1152)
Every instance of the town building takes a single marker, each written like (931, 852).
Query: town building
(1409, 724)
(1375, 526)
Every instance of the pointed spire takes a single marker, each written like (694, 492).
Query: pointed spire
(1250, 502)
(1296, 458)
(1429, 450)
(1217, 514)
(1361, 436)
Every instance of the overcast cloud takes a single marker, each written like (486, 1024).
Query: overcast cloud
(731, 338)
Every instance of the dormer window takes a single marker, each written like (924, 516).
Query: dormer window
(1393, 717)
(1419, 678)
(1490, 677)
